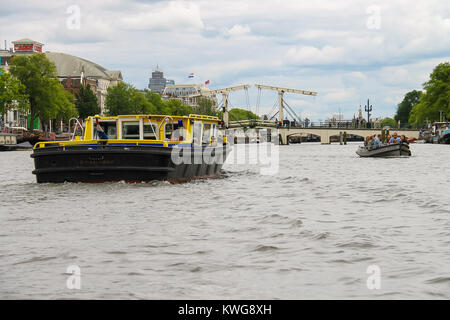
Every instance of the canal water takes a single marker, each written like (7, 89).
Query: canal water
(326, 225)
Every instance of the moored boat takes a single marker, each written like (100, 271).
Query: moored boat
(445, 137)
(389, 150)
(8, 142)
(135, 148)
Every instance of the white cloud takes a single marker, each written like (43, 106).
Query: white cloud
(339, 95)
(238, 30)
(322, 46)
(175, 15)
(308, 55)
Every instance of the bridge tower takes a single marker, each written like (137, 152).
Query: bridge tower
(281, 92)
(225, 92)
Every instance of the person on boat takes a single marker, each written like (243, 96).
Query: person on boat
(388, 138)
(101, 134)
(376, 143)
(395, 138)
(403, 139)
(368, 141)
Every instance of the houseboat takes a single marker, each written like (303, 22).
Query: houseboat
(134, 148)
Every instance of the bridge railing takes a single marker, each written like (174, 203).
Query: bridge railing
(341, 124)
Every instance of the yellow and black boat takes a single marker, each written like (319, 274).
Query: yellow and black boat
(134, 148)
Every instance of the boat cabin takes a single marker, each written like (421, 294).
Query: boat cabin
(198, 130)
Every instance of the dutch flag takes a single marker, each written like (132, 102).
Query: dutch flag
(191, 75)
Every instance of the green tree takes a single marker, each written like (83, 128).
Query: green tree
(45, 92)
(237, 114)
(123, 99)
(205, 106)
(436, 99)
(404, 108)
(66, 108)
(242, 114)
(86, 102)
(177, 108)
(388, 122)
(12, 93)
(156, 100)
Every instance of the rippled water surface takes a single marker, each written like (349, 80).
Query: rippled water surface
(310, 231)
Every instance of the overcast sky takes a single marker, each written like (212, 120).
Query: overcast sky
(347, 51)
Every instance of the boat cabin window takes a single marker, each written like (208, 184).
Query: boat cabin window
(168, 130)
(130, 130)
(109, 127)
(150, 131)
(214, 131)
(196, 133)
(206, 133)
(178, 132)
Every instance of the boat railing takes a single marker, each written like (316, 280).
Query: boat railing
(77, 125)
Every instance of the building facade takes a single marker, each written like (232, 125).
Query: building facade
(189, 94)
(75, 71)
(157, 82)
(72, 72)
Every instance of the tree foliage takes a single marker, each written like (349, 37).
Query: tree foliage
(241, 114)
(124, 98)
(157, 102)
(388, 122)
(237, 114)
(177, 108)
(87, 103)
(205, 106)
(12, 93)
(47, 97)
(436, 98)
(65, 102)
(404, 108)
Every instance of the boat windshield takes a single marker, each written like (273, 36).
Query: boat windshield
(174, 130)
(130, 130)
(150, 131)
(206, 133)
(196, 133)
(109, 127)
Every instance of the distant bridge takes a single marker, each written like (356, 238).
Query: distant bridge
(324, 132)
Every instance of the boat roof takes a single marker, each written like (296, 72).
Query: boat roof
(137, 116)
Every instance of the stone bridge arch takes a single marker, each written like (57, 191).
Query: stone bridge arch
(325, 134)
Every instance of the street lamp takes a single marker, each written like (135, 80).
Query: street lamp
(368, 109)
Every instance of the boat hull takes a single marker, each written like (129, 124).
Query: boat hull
(392, 150)
(103, 163)
(5, 147)
(445, 138)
